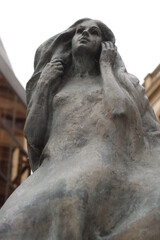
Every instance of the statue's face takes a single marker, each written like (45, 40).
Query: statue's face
(87, 36)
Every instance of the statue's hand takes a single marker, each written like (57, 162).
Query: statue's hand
(53, 70)
(108, 53)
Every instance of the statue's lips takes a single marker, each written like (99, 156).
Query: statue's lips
(84, 39)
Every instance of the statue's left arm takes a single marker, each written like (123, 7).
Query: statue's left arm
(115, 97)
(137, 96)
(125, 98)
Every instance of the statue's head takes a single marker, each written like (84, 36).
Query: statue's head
(106, 33)
(88, 36)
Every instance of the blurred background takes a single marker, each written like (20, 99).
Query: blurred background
(14, 165)
(24, 25)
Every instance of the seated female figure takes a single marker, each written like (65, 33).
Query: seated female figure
(93, 143)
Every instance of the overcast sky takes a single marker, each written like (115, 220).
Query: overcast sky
(25, 24)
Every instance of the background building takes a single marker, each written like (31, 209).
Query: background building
(152, 88)
(14, 166)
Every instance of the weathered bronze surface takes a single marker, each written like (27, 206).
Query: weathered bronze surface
(94, 146)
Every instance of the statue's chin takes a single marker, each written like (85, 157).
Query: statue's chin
(83, 49)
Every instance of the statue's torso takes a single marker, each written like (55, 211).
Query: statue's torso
(79, 123)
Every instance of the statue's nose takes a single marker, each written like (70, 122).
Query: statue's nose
(85, 33)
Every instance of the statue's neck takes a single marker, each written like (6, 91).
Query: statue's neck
(84, 65)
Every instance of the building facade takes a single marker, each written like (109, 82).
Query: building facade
(14, 166)
(152, 88)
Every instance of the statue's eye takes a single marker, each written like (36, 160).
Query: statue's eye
(94, 32)
(79, 30)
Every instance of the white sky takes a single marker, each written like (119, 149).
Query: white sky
(25, 24)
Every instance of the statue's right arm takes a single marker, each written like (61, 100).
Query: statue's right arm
(38, 108)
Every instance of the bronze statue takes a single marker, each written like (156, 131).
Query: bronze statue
(93, 143)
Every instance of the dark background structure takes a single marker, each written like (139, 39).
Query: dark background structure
(14, 166)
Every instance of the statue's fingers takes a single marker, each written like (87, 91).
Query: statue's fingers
(57, 64)
(60, 67)
(57, 60)
(107, 45)
(110, 45)
(103, 45)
